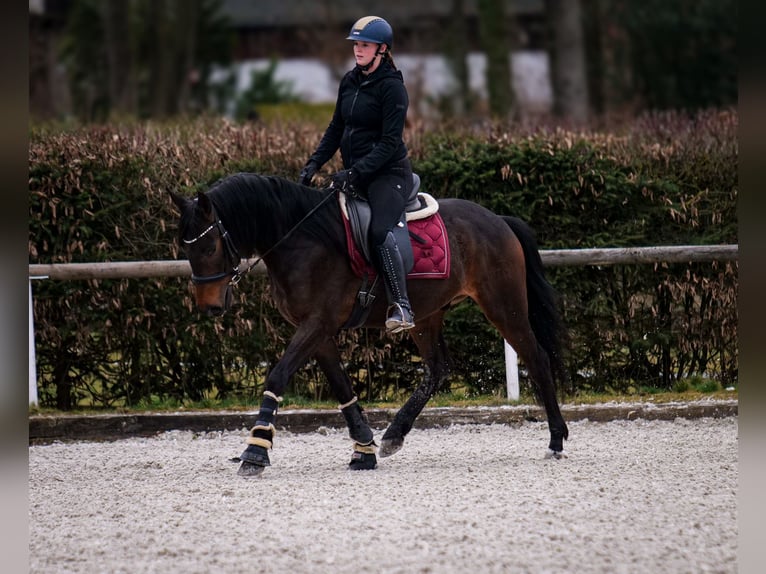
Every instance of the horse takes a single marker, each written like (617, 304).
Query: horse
(298, 233)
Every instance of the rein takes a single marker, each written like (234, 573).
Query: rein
(231, 250)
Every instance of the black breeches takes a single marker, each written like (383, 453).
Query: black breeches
(387, 195)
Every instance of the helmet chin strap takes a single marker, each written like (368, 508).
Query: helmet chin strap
(369, 64)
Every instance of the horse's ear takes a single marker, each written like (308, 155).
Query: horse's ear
(204, 203)
(180, 201)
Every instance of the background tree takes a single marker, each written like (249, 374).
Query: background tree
(456, 52)
(661, 54)
(118, 36)
(163, 79)
(682, 53)
(568, 62)
(143, 57)
(155, 57)
(495, 42)
(83, 54)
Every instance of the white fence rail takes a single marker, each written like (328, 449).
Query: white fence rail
(551, 258)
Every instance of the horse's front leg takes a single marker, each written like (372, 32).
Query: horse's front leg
(359, 430)
(255, 457)
(433, 349)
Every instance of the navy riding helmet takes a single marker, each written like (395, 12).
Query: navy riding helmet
(372, 29)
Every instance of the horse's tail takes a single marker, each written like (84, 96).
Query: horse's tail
(542, 300)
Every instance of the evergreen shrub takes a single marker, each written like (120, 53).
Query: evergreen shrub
(98, 193)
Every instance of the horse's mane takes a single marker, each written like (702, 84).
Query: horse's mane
(265, 208)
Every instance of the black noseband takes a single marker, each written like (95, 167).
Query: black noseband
(202, 279)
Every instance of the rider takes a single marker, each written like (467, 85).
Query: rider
(367, 125)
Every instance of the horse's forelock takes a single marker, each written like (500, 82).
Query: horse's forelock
(185, 220)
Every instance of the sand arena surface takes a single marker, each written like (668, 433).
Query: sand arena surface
(633, 496)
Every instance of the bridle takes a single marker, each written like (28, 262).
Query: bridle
(232, 255)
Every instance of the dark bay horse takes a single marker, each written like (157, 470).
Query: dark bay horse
(299, 234)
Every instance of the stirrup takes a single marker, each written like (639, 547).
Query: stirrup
(399, 319)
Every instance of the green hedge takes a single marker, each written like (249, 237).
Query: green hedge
(97, 193)
(666, 179)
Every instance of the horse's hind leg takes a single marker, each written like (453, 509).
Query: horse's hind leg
(359, 430)
(428, 337)
(507, 310)
(538, 365)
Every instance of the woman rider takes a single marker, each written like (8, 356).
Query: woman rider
(367, 125)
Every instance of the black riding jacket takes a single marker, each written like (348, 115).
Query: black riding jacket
(368, 122)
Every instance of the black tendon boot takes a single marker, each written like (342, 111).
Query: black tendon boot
(390, 265)
(255, 457)
(360, 432)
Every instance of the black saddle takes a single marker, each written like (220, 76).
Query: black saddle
(359, 215)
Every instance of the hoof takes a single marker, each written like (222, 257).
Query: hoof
(389, 446)
(255, 459)
(557, 454)
(250, 470)
(363, 461)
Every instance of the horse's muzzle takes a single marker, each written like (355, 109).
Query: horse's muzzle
(215, 308)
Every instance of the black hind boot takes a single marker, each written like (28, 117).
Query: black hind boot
(400, 316)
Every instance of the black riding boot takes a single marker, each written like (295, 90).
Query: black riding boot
(390, 265)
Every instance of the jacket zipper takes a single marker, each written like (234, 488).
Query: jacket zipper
(351, 132)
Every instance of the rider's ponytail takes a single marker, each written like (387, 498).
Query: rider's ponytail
(387, 55)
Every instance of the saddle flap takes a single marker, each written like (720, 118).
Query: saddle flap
(358, 213)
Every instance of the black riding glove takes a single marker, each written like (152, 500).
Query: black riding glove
(307, 173)
(347, 181)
